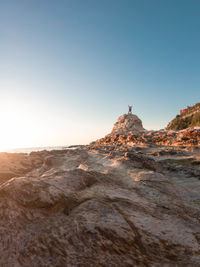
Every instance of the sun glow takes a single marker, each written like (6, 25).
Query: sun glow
(30, 122)
(29, 119)
(20, 122)
(15, 126)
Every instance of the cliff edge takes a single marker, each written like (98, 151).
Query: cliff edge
(188, 118)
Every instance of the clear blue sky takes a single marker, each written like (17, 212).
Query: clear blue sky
(71, 67)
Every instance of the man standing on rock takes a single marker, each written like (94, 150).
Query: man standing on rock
(130, 109)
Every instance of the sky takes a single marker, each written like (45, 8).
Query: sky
(70, 68)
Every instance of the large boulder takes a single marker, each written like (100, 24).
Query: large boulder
(127, 123)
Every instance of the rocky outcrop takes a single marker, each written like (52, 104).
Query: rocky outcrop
(127, 123)
(128, 130)
(87, 207)
(188, 138)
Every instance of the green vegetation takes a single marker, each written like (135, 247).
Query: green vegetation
(192, 109)
(189, 118)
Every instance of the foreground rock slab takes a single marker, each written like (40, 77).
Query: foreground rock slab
(88, 207)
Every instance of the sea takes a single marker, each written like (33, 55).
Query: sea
(35, 149)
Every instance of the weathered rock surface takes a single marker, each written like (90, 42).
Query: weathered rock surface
(97, 206)
(127, 123)
(187, 137)
(13, 165)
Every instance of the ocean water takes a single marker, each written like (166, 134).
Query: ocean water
(34, 149)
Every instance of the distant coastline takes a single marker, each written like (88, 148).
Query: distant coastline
(35, 149)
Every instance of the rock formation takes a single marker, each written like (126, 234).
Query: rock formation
(129, 199)
(87, 207)
(187, 138)
(127, 123)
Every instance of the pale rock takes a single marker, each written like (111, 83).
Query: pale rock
(127, 123)
(97, 209)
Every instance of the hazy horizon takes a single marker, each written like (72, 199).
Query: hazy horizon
(70, 68)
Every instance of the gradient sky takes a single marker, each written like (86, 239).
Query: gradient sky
(69, 68)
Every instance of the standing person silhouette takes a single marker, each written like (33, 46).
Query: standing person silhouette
(130, 109)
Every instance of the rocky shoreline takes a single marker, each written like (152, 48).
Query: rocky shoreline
(184, 138)
(129, 199)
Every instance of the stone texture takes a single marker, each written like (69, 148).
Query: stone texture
(127, 123)
(14, 164)
(89, 207)
(187, 137)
